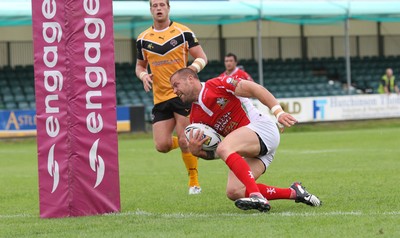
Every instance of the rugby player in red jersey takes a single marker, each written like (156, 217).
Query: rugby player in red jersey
(251, 137)
(231, 68)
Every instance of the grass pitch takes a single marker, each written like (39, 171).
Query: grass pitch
(353, 167)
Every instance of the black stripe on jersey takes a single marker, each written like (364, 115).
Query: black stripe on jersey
(167, 46)
(190, 39)
(164, 48)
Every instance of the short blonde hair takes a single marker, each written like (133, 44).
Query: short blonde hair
(167, 1)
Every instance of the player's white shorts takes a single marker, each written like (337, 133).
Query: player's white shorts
(268, 131)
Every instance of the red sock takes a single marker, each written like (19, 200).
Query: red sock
(272, 193)
(243, 172)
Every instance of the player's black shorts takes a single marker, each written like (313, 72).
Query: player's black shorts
(165, 110)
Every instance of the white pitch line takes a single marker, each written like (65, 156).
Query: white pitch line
(15, 216)
(204, 215)
(282, 214)
(19, 151)
(288, 151)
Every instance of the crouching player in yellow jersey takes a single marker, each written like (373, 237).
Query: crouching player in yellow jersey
(165, 47)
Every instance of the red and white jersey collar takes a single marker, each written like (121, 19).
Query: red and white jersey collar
(200, 100)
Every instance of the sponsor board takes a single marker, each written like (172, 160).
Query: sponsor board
(339, 108)
(22, 123)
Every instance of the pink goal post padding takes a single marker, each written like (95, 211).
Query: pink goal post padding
(76, 107)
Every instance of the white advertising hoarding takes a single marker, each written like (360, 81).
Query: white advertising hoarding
(340, 108)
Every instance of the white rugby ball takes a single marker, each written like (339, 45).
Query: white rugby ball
(213, 137)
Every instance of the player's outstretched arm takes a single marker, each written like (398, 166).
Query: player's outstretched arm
(250, 89)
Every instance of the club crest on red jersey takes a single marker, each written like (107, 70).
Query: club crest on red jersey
(222, 102)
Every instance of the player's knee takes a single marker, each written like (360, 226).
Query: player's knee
(234, 193)
(163, 148)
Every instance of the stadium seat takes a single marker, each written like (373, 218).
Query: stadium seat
(8, 98)
(136, 101)
(297, 94)
(132, 94)
(32, 105)
(16, 89)
(29, 89)
(23, 105)
(3, 83)
(310, 87)
(11, 105)
(30, 97)
(307, 94)
(124, 101)
(19, 98)
(5, 89)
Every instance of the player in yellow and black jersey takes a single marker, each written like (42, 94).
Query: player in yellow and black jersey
(165, 48)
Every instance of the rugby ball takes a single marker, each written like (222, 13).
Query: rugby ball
(213, 137)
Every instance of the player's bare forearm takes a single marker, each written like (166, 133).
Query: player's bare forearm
(141, 67)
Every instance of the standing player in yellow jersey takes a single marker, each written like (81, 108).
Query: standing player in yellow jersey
(165, 47)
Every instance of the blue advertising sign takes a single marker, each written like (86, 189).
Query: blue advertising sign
(18, 120)
(19, 123)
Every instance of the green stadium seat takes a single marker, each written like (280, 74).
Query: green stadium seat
(287, 94)
(136, 101)
(30, 97)
(3, 83)
(8, 98)
(307, 94)
(292, 88)
(5, 90)
(132, 94)
(32, 105)
(144, 95)
(16, 90)
(11, 105)
(297, 94)
(272, 87)
(29, 89)
(23, 105)
(19, 98)
(334, 92)
(148, 102)
(301, 87)
(323, 92)
(148, 110)
(125, 101)
(310, 87)
(373, 85)
(121, 93)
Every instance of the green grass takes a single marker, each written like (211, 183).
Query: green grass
(352, 167)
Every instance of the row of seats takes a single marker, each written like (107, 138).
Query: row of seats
(366, 72)
(285, 78)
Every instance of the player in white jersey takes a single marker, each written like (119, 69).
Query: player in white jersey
(251, 138)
